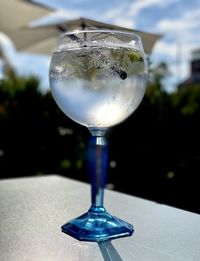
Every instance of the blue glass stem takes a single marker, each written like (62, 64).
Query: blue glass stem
(97, 224)
(97, 162)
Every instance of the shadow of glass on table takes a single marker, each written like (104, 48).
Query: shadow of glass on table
(108, 251)
(103, 250)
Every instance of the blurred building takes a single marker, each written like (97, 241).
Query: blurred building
(194, 70)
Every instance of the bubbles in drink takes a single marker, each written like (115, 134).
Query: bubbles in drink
(98, 86)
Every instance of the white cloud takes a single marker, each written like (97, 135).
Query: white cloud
(115, 11)
(174, 25)
(37, 65)
(183, 33)
(180, 70)
(173, 52)
(179, 51)
(177, 55)
(124, 13)
(164, 48)
(193, 14)
(178, 73)
(137, 6)
(188, 20)
(118, 16)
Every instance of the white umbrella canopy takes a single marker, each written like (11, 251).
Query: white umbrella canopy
(37, 41)
(42, 39)
(148, 39)
(14, 17)
(15, 14)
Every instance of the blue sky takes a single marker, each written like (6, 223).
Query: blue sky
(177, 20)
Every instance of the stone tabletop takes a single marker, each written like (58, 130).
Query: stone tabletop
(33, 209)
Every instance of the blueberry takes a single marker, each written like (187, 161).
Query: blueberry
(122, 74)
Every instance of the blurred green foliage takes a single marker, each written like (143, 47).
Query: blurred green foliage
(155, 154)
(35, 136)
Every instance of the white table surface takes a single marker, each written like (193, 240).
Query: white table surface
(33, 209)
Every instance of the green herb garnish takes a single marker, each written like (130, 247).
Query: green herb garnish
(135, 56)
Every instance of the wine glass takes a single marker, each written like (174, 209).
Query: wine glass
(98, 79)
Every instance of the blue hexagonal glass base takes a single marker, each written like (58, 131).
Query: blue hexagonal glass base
(97, 225)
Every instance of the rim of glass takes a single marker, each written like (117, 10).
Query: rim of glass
(112, 31)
